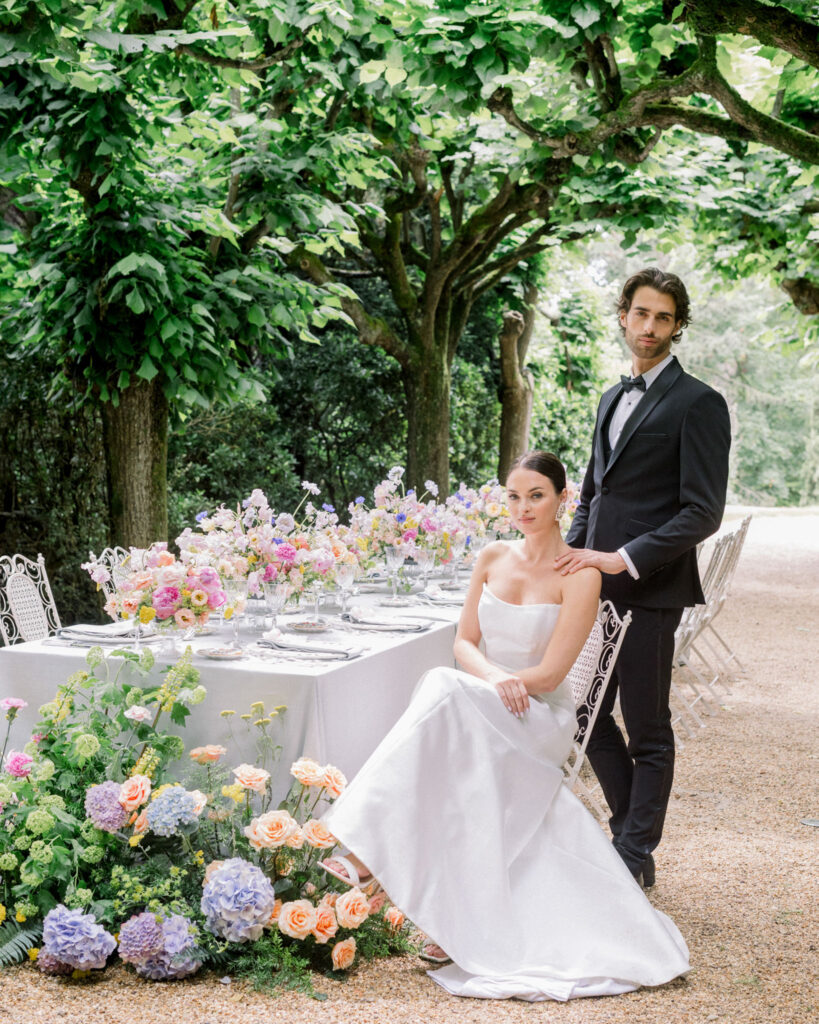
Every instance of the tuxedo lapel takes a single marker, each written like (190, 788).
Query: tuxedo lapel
(609, 399)
(655, 394)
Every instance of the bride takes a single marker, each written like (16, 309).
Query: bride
(461, 812)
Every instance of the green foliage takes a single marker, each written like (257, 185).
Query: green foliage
(16, 941)
(272, 964)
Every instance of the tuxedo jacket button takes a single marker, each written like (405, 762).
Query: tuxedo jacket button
(604, 490)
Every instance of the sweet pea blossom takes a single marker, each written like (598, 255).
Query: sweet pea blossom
(138, 714)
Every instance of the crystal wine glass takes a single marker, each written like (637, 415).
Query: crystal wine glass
(236, 591)
(457, 546)
(275, 596)
(395, 559)
(425, 560)
(346, 573)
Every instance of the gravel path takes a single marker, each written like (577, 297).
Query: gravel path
(736, 870)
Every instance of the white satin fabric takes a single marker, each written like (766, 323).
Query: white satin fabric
(462, 815)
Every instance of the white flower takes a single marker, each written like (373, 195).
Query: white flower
(312, 488)
(138, 714)
(431, 487)
(285, 523)
(395, 474)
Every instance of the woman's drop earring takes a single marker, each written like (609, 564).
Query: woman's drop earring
(561, 511)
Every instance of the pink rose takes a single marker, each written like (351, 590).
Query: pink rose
(138, 714)
(378, 901)
(200, 798)
(209, 579)
(134, 791)
(7, 703)
(19, 764)
(297, 919)
(343, 954)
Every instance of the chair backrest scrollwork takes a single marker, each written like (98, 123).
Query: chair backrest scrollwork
(27, 608)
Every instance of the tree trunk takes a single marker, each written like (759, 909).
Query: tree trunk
(427, 381)
(517, 384)
(136, 444)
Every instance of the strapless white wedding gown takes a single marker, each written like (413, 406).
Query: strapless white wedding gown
(462, 815)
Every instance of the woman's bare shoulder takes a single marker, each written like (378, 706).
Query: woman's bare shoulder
(582, 583)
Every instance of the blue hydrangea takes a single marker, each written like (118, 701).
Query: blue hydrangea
(102, 806)
(173, 807)
(74, 938)
(140, 938)
(237, 901)
(174, 959)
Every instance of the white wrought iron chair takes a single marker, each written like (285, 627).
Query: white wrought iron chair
(589, 678)
(117, 561)
(27, 608)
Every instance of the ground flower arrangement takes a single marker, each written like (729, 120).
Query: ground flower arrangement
(116, 841)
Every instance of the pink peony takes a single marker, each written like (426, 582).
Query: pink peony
(271, 571)
(7, 703)
(19, 764)
(287, 554)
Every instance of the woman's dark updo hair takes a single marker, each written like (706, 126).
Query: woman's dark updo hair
(544, 463)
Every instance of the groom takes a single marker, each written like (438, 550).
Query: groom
(654, 488)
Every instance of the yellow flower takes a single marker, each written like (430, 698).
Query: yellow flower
(262, 721)
(199, 857)
(235, 792)
(136, 840)
(228, 613)
(2, 913)
(161, 789)
(245, 718)
(78, 975)
(281, 707)
(33, 953)
(19, 917)
(258, 706)
(227, 714)
(146, 615)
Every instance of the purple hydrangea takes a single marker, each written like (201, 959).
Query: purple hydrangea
(173, 807)
(102, 806)
(49, 964)
(237, 901)
(178, 936)
(140, 938)
(74, 938)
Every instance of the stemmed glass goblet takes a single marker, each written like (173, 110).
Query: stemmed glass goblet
(346, 573)
(236, 591)
(425, 560)
(275, 597)
(457, 546)
(395, 559)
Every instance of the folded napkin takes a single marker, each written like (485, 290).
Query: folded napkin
(356, 621)
(308, 652)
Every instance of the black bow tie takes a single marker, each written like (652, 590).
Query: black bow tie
(629, 383)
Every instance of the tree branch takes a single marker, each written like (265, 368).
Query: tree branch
(279, 54)
(16, 216)
(772, 25)
(371, 330)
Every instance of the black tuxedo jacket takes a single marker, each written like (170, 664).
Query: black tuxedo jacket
(661, 491)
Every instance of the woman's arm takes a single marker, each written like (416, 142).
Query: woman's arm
(581, 595)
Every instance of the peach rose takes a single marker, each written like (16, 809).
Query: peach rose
(130, 605)
(250, 777)
(165, 558)
(296, 840)
(333, 781)
(208, 754)
(377, 902)
(343, 954)
(200, 798)
(297, 919)
(308, 772)
(326, 925)
(134, 791)
(272, 830)
(328, 899)
(318, 835)
(274, 913)
(352, 908)
(395, 918)
(210, 869)
(141, 824)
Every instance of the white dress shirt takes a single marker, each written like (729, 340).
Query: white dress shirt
(624, 408)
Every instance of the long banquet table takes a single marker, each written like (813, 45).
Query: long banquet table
(337, 711)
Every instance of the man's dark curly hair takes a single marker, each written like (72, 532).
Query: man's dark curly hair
(668, 284)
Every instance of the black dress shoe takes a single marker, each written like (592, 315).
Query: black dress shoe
(648, 875)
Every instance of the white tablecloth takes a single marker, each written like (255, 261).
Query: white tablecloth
(337, 712)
